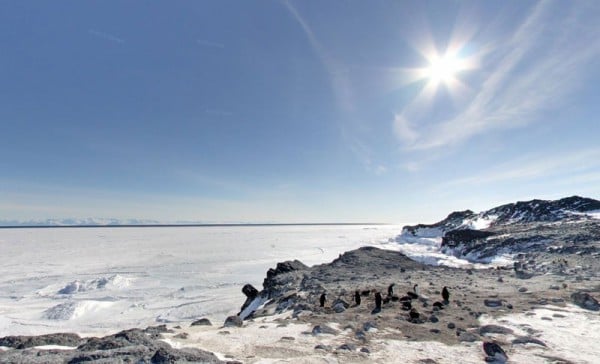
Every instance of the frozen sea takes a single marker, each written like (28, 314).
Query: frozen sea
(99, 280)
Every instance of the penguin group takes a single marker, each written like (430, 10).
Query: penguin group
(406, 301)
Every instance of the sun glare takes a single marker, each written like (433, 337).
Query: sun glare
(442, 69)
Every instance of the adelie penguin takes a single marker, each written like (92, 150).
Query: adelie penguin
(322, 300)
(357, 298)
(414, 315)
(378, 301)
(445, 295)
(415, 292)
(406, 305)
(391, 290)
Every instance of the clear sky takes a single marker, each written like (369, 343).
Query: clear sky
(295, 111)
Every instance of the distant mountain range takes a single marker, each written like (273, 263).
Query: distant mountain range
(80, 222)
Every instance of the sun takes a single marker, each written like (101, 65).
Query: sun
(443, 69)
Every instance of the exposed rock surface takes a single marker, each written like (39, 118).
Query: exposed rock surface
(584, 300)
(135, 346)
(533, 227)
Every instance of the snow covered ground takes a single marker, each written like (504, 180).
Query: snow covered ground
(101, 280)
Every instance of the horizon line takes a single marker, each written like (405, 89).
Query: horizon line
(194, 225)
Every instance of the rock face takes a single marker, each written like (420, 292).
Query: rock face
(135, 346)
(271, 284)
(562, 226)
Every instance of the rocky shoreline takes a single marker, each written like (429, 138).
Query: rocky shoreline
(292, 293)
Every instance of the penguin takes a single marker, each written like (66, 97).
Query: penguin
(322, 300)
(445, 294)
(406, 305)
(357, 298)
(415, 293)
(494, 351)
(391, 290)
(378, 300)
(414, 315)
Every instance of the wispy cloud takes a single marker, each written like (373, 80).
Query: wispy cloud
(577, 165)
(535, 68)
(106, 36)
(341, 86)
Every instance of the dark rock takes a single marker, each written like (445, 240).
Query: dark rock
(494, 329)
(202, 322)
(284, 267)
(22, 342)
(233, 321)
(494, 351)
(433, 318)
(528, 340)
(251, 294)
(451, 326)
(324, 329)
(339, 305)
(467, 337)
(323, 347)
(584, 300)
(454, 238)
(492, 302)
(348, 347)
(522, 289)
(365, 350)
(369, 325)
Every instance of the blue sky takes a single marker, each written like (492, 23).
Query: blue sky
(289, 111)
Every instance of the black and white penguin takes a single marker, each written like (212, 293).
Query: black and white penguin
(414, 315)
(406, 305)
(495, 352)
(391, 290)
(378, 301)
(357, 298)
(415, 292)
(438, 305)
(445, 294)
(322, 300)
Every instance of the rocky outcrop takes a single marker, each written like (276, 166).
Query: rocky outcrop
(134, 345)
(271, 283)
(23, 342)
(467, 236)
(562, 226)
(584, 300)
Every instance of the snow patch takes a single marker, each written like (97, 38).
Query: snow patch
(480, 222)
(569, 332)
(72, 310)
(113, 282)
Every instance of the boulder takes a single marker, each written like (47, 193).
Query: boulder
(233, 321)
(584, 300)
(202, 322)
